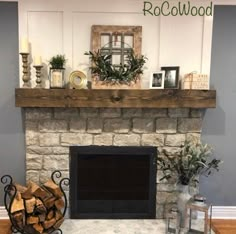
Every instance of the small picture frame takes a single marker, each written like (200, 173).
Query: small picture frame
(157, 80)
(171, 80)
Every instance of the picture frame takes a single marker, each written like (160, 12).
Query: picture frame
(171, 80)
(157, 80)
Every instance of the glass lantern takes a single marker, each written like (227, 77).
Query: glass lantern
(173, 221)
(57, 79)
(198, 203)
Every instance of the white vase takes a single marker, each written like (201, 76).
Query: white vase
(183, 198)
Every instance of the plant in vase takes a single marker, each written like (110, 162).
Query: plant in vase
(57, 67)
(107, 73)
(193, 160)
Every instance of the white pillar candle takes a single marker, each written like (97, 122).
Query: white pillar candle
(24, 45)
(37, 61)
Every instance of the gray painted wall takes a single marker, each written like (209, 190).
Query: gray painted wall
(219, 128)
(12, 152)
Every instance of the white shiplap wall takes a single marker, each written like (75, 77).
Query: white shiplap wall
(57, 26)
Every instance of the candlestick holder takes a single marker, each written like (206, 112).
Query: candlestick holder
(25, 77)
(38, 75)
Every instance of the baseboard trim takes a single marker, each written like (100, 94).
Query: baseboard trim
(3, 213)
(221, 212)
(218, 212)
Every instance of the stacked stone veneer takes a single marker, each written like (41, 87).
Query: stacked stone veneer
(50, 132)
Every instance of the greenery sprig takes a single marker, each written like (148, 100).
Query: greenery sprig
(113, 74)
(57, 62)
(193, 160)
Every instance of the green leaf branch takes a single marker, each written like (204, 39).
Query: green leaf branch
(113, 74)
(193, 160)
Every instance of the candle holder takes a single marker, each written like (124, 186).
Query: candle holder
(25, 66)
(38, 75)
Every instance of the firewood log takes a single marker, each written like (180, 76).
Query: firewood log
(33, 186)
(27, 194)
(49, 223)
(32, 219)
(30, 205)
(38, 227)
(53, 188)
(58, 215)
(50, 215)
(20, 188)
(18, 203)
(42, 217)
(19, 218)
(49, 202)
(59, 203)
(42, 193)
(38, 202)
(39, 207)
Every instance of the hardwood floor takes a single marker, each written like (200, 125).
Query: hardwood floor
(223, 226)
(220, 226)
(5, 227)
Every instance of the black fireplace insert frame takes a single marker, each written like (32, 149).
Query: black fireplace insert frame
(149, 151)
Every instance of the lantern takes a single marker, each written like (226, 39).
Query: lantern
(173, 221)
(198, 203)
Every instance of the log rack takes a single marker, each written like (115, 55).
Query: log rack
(10, 193)
(140, 98)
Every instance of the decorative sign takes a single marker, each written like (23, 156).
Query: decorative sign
(195, 81)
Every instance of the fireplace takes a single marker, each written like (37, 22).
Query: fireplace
(113, 182)
(51, 131)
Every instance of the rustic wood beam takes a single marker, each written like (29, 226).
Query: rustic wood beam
(142, 98)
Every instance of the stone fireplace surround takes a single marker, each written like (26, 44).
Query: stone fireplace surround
(50, 131)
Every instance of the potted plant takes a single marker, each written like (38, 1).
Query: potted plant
(57, 67)
(105, 74)
(193, 160)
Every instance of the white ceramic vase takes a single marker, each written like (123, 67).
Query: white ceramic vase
(183, 198)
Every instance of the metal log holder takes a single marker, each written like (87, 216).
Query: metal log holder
(10, 192)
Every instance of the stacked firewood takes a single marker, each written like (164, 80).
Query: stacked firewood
(37, 209)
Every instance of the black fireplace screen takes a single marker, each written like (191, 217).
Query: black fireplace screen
(112, 182)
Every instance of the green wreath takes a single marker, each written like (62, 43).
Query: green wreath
(113, 74)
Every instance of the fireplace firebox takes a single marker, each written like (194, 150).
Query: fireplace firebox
(112, 182)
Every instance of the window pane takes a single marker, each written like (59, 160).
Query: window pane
(128, 41)
(116, 60)
(116, 41)
(104, 40)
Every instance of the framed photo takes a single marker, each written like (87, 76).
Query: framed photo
(157, 80)
(171, 77)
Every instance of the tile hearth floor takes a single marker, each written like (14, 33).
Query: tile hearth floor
(98, 226)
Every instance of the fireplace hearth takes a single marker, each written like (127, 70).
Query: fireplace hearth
(113, 182)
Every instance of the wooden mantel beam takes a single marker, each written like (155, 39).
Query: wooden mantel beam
(143, 98)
